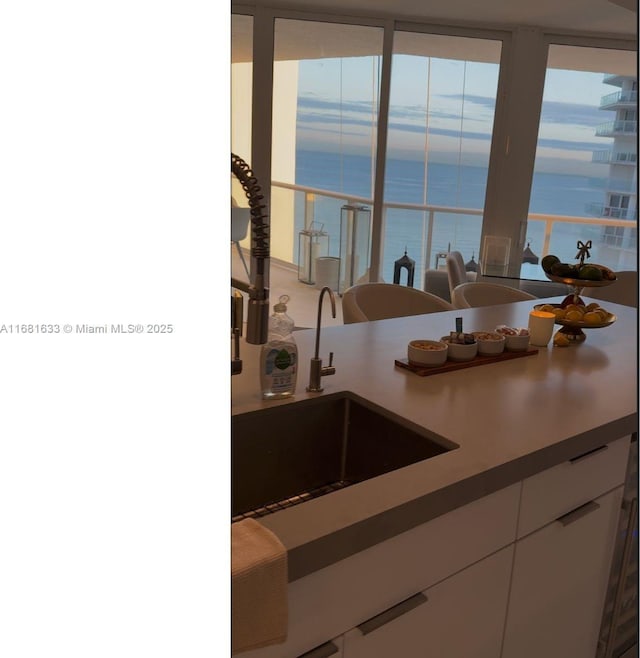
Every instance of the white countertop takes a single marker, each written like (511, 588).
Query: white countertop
(510, 419)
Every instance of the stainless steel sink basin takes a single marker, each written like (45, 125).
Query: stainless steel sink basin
(288, 454)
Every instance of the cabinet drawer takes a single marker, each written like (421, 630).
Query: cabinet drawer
(461, 616)
(333, 600)
(558, 490)
(559, 582)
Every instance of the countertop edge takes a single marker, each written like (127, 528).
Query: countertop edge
(345, 542)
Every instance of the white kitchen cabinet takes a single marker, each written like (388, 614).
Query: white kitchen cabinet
(327, 603)
(560, 489)
(461, 616)
(507, 546)
(559, 582)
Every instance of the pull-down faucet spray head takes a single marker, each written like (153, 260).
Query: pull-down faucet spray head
(257, 287)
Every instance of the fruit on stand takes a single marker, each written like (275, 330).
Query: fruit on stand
(561, 340)
(585, 272)
(576, 317)
(548, 261)
(590, 314)
(590, 272)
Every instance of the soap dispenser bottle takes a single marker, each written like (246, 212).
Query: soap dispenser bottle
(279, 355)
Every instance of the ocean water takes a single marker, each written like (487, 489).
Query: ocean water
(450, 186)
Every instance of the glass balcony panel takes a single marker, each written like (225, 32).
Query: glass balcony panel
(619, 98)
(425, 234)
(611, 128)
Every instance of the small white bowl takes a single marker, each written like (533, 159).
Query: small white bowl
(460, 351)
(514, 342)
(489, 342)
(427, 352)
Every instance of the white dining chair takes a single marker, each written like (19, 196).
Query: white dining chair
(456, 271)
(479, 293)
(379, 301)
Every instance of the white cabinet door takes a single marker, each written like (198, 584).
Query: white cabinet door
(559, 583)
(462, 616)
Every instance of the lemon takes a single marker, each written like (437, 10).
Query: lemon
(547, 308)
(559, 313)
(592, 317)
(575, 307)
(561, 340)
(593, 306)
(573, 316)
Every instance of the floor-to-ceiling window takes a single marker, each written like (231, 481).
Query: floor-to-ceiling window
(586, 158)
(325, 118)
(457, 130)
(441, 112)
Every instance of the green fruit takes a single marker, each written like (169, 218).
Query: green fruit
(590, 273)
(563, 269)
(548, 261)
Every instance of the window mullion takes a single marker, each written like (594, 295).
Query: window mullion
(377, 216)
(513, 150)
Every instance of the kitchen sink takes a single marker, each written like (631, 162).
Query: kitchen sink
(285, 455)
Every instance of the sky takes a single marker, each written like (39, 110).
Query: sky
(337, 103)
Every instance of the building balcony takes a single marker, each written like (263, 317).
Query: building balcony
(614, 128)
(619, 99)
(607, 156)
(615, 79)
(600, 210)
(616, 185)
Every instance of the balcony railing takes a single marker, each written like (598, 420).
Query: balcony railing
(602, 210)
(612, 128)
(607, 156)
(313, 197)
(628, 186)
(619, 98)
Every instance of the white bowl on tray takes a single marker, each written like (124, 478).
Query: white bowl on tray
(515, 339)
(490, 343)
(425, 352)
(460, 351)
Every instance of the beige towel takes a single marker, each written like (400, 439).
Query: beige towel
(258, 587)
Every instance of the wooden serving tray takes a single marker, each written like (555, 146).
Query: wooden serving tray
(479, 360)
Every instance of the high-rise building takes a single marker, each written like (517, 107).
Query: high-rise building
(621, 193)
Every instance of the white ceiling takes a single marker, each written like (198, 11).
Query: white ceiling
(614, 17)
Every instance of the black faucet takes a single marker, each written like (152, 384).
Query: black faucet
(317, 372)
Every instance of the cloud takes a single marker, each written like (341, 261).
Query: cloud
(560, 112)
(351, 117)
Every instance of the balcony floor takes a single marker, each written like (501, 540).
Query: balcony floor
(303, 302)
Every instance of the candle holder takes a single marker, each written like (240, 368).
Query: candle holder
(355, 223)
(313, 243)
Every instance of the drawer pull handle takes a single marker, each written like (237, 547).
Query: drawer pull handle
(323, 651)
(584, 455)
(578, 513)
(392, 613)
